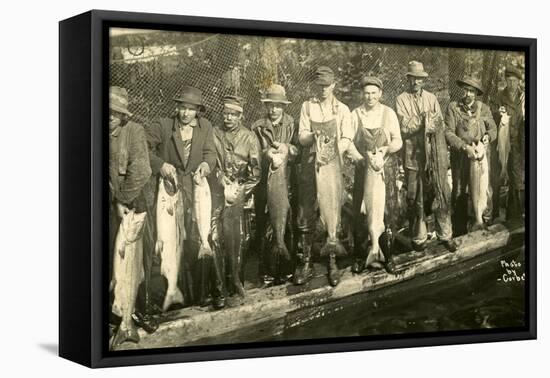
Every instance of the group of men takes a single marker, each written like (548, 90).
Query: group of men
(238, 162)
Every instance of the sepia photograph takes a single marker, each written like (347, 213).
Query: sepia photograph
(272, 189)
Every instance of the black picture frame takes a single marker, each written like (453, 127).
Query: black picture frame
(83, 155)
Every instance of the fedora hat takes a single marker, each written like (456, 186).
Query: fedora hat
(118, 100)
(190, 95)
(323, 76)
(275, 93)
(470, 82)
(416, 69)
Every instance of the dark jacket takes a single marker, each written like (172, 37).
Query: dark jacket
(464, 128)
(285, 133)
(166, 145)
(129, 167)
(239, 156)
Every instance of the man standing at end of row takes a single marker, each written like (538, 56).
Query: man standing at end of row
(425, 160)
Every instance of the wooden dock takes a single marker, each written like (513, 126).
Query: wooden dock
(280, 304)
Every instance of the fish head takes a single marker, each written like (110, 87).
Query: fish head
(170, 185)
(479, 150)
(133, 225)
(376, 159)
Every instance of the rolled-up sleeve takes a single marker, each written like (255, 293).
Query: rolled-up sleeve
(304, 128)
(395, 134)
(346, 127)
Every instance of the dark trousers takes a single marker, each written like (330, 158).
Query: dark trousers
(306, 190)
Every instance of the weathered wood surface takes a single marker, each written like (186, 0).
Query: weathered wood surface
(187, 326)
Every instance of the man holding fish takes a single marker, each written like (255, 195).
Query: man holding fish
(278, 138)
(470, 129)
(325, 132)
(425, 160)
(237, 174)
(509, 167)
(376, 140)
(182, 151)
(129, 171)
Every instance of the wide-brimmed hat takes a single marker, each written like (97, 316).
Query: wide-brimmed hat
(470, 82)
(416, 69)
(233, 102)
(371, 80)
(275, 93)
(323, 76)
(118, 100)
(512, 71)
(190, 95)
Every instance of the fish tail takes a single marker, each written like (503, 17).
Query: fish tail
(172, 296)
(374, 255)
(124, 333)
(205, 251)
(333, 247)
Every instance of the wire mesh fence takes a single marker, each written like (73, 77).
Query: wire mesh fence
(154, 65)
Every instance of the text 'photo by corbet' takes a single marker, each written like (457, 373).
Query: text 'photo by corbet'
(281, 189)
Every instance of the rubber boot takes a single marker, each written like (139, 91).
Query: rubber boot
(333, 271)
(205, 271)
(304, 268)
(359, 241)
(218, 287)
(387, 241)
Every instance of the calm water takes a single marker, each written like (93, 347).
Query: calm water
(470, 298)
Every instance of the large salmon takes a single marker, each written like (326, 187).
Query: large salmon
(202, 212)
(330, 187)
(374, 202)
(277, 200)
(503, 146)
(127, 274)
(479, 184)
(170, 235)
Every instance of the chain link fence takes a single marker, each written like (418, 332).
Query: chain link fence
(154, 65)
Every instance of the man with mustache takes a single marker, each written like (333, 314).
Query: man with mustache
(322, 110)
(275, 131)
(467, 121)
(182, 146)
(425, 160)
(237, 173)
